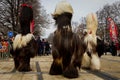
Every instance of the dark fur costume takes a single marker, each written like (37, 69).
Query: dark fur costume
(67, 48)
(26, 16)
(100, 47)
(24, 44)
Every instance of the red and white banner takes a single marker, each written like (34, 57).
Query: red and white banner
(113, 31)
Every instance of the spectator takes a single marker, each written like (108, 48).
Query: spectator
(113, 49)
(39, 46)
(43, 46)
(47, 47)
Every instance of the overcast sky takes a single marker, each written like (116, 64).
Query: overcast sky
(81, 8)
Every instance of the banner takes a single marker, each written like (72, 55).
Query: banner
(113, 31)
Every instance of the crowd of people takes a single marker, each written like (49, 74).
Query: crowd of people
(110, 47)
(44, 47)
(5, 45)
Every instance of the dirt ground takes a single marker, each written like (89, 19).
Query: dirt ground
(41, 64)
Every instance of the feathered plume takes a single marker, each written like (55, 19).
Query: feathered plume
(92, 23)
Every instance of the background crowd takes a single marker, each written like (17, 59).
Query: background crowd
(44, 47)
(5, 45)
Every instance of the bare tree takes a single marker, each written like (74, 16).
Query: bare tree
(40, 16)
(9, 14)
(112, 11)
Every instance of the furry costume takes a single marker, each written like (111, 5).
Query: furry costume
(67, 48)
(24, 44)
(95, 46)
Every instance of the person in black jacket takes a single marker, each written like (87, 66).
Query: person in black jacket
(47, 48)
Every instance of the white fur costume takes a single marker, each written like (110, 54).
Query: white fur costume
(92, 62)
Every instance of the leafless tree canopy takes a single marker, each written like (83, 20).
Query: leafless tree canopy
(112, 11)
(9, 12)
(108, 10)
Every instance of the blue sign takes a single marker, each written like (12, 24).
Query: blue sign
(10, 34)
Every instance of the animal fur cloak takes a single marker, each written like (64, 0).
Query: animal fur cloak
(24, 45)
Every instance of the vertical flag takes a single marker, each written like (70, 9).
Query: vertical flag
(113, 31)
